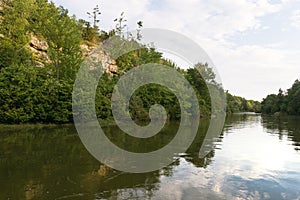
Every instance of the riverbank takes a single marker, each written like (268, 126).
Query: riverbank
(32, 126)
(103, 123)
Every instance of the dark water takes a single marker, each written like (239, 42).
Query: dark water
(255, 158)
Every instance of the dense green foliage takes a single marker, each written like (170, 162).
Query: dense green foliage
(240, 104)
(14, 25)
(285, 103)
(29, 93)
(37, 87)
(151, 94)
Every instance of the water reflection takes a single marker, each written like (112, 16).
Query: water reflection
(256, 157)
(284, 126)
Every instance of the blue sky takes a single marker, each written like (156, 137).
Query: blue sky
(254, 44)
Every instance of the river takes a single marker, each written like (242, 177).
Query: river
(256, 157)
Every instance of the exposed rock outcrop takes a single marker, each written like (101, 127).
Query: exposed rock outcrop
(39, 45)
(109, 65)
(39, 49)
(87, 48)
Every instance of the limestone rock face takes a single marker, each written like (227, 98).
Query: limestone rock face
(112, 69)
(39, 45)
(87, 49)
(39, 49)
(94, 53)
(109, 65)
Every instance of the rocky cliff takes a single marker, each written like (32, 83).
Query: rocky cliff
(39, 48)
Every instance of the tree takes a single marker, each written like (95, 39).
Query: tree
(120, 26)
(206, 72)
(27, 94)
(14, 27)
(94, 15)
(240, 104)
(293, 97)
(91, 33)
(63, 35)
(285, 103)
(197, 80)
(138, 34)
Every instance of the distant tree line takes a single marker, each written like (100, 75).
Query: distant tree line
(284, 102)
(239, 104)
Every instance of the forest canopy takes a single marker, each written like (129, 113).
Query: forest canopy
(41, 49)
(284, 102)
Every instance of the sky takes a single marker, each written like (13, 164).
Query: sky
(254, 44)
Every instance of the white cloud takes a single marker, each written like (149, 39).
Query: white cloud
(296, 19)
(109, 9)
(213, 19)
(249, 70)
(255, 71)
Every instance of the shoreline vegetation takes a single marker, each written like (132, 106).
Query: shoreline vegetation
(42, 48)
(31, 126)
(105, 123)
(283, 103)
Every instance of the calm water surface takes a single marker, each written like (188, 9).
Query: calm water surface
(255, 158)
